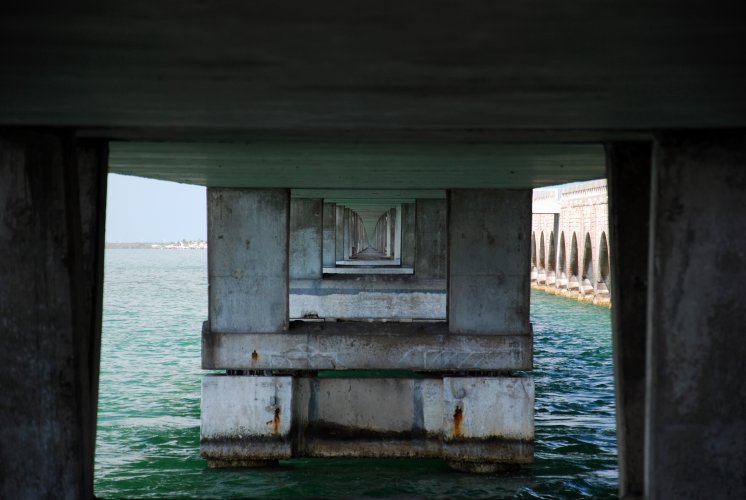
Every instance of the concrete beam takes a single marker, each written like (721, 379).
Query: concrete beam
(369, 269)
(368, 263)
(247, 232)
(365, 346)
(482, 421)
(489, 234)
(696, 408)
(629, 169)
(53, 199)
(306, 238)
(368, 296)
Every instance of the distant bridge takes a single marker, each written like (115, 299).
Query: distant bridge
(570, 241)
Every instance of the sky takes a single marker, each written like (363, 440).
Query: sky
(146, 210)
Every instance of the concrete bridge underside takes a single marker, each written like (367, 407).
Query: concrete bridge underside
(377, 102)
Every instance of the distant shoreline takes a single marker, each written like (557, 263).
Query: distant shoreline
(175, 245)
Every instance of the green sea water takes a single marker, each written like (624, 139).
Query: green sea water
(148, 417)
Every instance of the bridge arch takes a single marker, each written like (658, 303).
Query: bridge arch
(573, 278)
(587, 284)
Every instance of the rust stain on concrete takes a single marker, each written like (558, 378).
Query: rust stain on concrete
(458, 417)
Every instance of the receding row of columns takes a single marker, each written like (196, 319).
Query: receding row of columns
(251, 262)
(324, 235)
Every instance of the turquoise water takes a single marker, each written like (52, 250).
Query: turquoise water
(148, 420)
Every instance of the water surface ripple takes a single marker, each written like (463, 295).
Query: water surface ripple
(148, 419)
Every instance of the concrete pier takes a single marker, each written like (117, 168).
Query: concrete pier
(695, 423)
(53, 194)
(478, 422)
(329, 214)
(488, 241)
(248, 259)
(307, 238)
(431, 243)
(629, 172)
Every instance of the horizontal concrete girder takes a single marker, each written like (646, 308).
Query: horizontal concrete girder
(227, 69)
(348, 269)
(365, 346)
(246, 418)
(359, 296)
(359, 169)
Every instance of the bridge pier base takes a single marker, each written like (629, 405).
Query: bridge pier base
(478, 423)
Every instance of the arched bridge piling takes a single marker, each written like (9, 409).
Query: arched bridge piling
(570, 254)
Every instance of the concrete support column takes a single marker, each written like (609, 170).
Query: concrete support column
(408, 250)
(329, 215)
(628, 170)
(247, 231)
(354, 234)
(431, 239)
(386, 233)
(347, 242)
(398, 233)
(339, 234)
(488, 249)
(53, 202)
(306, 238)
(696, 408)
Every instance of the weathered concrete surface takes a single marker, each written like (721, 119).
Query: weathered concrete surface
(245, 418)
(247, 232)
(629, 169)
(483, 420)
(448, 73)
(431, 239)
(696, 408)
(53, 199)
(365, 346)
(489, 246)
(329, 250)
(368, 297)
(306, 238)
